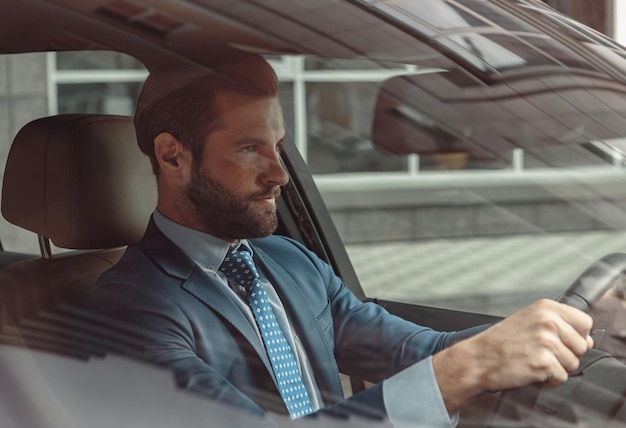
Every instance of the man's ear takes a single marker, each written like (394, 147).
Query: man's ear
(170, 154)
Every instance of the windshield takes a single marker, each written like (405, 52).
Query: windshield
(493, 154)
(468, 158)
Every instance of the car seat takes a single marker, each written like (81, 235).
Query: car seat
(81, 182)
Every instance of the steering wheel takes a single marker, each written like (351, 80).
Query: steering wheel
(595, 282)
(518, 407)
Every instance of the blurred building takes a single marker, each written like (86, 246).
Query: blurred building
(37, 85)
(593, 13)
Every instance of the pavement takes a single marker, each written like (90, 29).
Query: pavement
(495, 275)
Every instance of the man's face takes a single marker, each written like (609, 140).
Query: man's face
(234, 186)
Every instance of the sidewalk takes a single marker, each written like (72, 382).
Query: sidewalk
(489, 274)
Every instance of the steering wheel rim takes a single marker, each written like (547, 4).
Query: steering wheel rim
(594, 282)
(584, 292)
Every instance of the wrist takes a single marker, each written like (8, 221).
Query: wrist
(459, 374)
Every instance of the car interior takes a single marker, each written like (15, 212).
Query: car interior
(80, 184)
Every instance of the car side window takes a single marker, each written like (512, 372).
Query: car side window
(479, 231)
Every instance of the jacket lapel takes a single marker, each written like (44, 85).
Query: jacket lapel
(305, 324)
(196, 282)
(216, 297)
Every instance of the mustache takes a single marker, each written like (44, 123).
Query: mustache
(271, 193)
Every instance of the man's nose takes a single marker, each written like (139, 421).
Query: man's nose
(275, 173)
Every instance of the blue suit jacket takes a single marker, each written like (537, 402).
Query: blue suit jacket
(196, 329)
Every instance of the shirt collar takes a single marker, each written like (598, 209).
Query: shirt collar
(206, 250)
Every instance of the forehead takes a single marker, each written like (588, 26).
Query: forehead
(243, 112)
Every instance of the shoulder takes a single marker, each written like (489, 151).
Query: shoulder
(284, 249)
(277, 244)
(141, 275)
(134, 266)
(152, 260)
(137, 291)
(295, 259)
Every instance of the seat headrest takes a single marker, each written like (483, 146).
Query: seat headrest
(79, 180)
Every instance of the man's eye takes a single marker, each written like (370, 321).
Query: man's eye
(249, 149)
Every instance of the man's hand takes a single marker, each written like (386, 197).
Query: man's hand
(540, 343)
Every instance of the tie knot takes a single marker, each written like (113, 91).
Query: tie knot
(239, 267)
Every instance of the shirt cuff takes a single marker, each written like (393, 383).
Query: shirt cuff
(412, 398)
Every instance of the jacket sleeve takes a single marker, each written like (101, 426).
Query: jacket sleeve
(368, 342)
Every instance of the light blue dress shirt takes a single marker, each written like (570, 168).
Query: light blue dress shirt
(412, 397)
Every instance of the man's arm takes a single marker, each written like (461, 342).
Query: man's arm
(540, 343)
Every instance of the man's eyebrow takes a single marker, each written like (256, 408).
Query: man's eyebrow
(253, 140)
(244, 141)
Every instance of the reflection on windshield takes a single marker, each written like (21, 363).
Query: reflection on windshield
(495, 54)
(440, 14)
(490, 39)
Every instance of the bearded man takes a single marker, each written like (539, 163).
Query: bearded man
(208, 265)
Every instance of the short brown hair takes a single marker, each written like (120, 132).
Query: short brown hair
(180, 100)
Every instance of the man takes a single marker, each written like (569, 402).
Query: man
(214, 141)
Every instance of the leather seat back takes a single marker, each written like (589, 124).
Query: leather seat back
(81, 182)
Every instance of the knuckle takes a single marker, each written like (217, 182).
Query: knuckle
(543, 360)
(545, 303)
(558, 378)
(547, 325)
(544, 340)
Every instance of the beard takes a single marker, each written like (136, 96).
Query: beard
(227, 215)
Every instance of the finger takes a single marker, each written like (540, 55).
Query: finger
(579, 320)
(589, 342)
(561, 342)
(573, 340)
(566, 359)
(550, 363)
(557, 363)
(561, 323)
(558, 377)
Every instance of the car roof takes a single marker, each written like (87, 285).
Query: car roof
(151, 29)
(158, 30)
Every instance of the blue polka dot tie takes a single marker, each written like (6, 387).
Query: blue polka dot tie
(239, 267)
